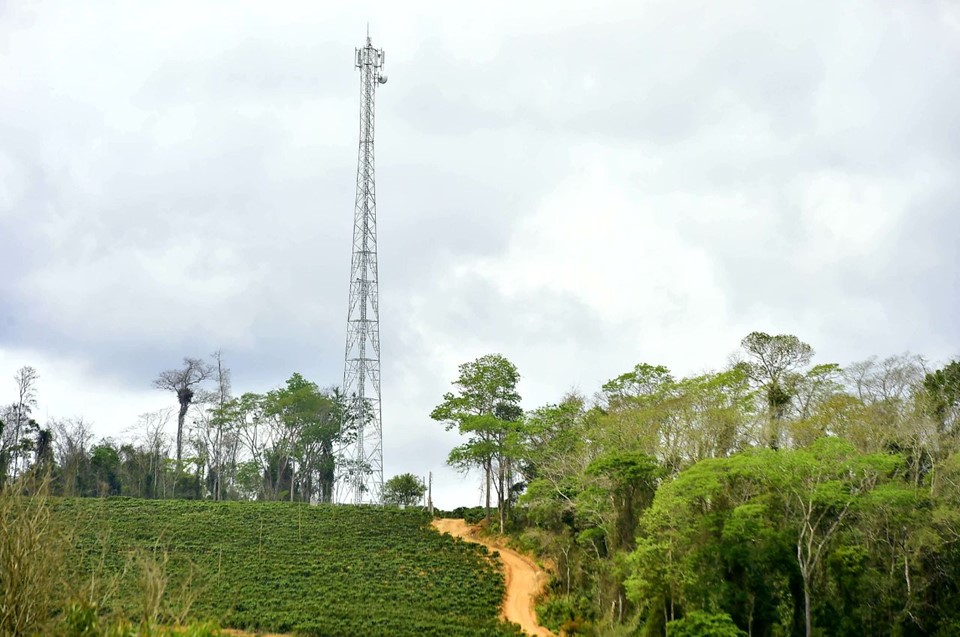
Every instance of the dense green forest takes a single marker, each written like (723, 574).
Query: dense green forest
(777, 496)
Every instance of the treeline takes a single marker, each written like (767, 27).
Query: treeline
(776, 496)
(278, 445)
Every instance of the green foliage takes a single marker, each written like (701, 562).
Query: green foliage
(472, 515)
(567, 615)
(316, 570)
(943, 389)
(750, 533)
(405, 489)
(633, 480)
(643, 380)
(486, 409)
(701, 624)
(486, 386)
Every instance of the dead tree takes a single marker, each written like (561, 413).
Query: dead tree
(183, 382)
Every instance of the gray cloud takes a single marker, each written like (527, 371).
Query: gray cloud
(578, 190)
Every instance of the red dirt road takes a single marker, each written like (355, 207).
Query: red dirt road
(524, 579)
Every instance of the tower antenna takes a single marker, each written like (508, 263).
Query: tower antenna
(359, 474)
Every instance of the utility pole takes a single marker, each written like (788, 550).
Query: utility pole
(359, 476)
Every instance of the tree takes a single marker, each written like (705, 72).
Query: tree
(701, 624)
(943, 390)
(310, 426)
(72, 437)
(43, 453)
(819, 487)
(153, 446)
(747, 533)
(223, 395)
(105, 467)
(632, 480)
(485, 408)
(893, 379)
(17, 444)
(775, 363)
(404, 490)
(183, 382)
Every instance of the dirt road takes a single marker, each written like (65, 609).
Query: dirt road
(523, 578)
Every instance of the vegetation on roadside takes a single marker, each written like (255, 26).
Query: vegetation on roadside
(774, 497)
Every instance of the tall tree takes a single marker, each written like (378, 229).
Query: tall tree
(184, 382)
(222, 376)
(72, 438)
(774, 364)
(485, 408)
(20, 444)
(309, 426)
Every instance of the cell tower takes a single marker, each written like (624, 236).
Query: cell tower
(360, 467)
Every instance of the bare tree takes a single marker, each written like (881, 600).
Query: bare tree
(892, 380)
(183, 382)
(154, 442)
(223, 395)
(72, 438)
(26, 378)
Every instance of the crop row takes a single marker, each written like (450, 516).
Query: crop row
(315, 570)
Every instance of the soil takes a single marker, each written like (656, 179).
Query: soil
(524, 579)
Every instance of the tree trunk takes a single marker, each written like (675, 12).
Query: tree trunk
(806, 606)
(502, 504)
(219, 459)
(486, 515)
(181, 417)
(501, 500)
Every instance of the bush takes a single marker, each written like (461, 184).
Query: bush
(473, 515)
(569, 615)
(702, 624)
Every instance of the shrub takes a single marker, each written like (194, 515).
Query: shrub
(703, 624)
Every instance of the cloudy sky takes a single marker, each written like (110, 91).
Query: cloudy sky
(578, 186)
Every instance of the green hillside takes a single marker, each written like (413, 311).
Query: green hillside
(314, 570)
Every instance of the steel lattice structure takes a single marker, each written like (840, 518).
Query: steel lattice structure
(360, 467)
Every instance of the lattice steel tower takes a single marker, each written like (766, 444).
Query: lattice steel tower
(360, 467)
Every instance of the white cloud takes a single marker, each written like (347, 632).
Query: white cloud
(70, 388)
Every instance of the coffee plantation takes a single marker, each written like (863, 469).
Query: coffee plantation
(282, 567)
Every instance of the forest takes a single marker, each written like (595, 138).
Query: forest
(776, 496)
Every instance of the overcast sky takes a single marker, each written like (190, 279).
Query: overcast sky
(578, 186)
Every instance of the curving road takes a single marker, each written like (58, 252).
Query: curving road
(524, 579)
